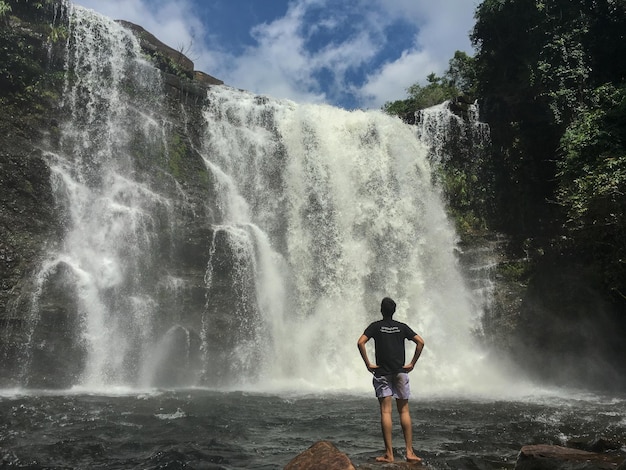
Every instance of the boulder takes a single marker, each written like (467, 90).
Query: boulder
(155, 48)
(599, 444)
(549, 457)
(206, 78)
(322, 455)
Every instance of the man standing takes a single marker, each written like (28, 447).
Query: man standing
(391, 377)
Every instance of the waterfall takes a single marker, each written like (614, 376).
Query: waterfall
(112, 216)
(310, 216)
(448, 133)
(351, 214)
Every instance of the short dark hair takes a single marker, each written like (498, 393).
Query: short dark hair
(387, 307)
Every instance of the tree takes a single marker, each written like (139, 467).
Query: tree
(552, 91)
(459, 79)
(438, 90)
(462, 73)
(5, 9)
(463, 176)
(592, 184)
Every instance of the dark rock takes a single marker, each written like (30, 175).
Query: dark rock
(599, 444)
(178, 69)
(155, 48)
(206, 78)
(188, 90)
(322, 455)
(48, 337)
(29, 218)
(403, 465)
(549, 457)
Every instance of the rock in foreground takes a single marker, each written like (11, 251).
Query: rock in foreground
(548, 457)
(322, 455)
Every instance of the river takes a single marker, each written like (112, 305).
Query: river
(204, 429)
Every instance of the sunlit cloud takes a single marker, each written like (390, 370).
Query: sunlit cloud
(384, 84)
(356, 54)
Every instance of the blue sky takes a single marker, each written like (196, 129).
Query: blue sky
(347, 53)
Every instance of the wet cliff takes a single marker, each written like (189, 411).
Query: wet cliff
(39, 77)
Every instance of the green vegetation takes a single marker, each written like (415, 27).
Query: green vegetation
(26, 88)
(458, 80)
(552, 87)
(168, 65)
(463, 177)
(514, 271)
(29, 9)
(553, 93)
(438, 90)
(5, 9)
(21, 75)
(58, 33)
(465, 196)
(592, 184)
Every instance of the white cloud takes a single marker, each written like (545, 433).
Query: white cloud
(173, 22)
(444, 28)
(391, 81)
(279, 63)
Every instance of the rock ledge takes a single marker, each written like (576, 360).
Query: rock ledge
(549, 457)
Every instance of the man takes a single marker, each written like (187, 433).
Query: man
(391, 377)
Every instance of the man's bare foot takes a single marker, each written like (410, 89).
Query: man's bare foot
(411, 457)
(384, 458)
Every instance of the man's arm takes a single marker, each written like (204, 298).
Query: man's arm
(419, 345)
(361, 344)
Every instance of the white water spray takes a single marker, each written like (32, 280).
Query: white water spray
(110, 215)
(353, 215)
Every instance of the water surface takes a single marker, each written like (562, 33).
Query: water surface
(201, 429)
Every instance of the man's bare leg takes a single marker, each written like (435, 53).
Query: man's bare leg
(386, 426)
(407, 429)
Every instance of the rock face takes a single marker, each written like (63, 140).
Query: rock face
(29, 219)
(167, 58)
(159, 50)
(322, 455)
(34, 138)
(548, 457)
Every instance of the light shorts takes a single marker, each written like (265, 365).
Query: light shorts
(394, 385)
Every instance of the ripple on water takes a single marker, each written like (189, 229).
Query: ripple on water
(236, 430)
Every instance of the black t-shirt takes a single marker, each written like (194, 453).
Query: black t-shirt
(389, 336)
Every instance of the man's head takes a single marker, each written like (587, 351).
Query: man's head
(387, 307)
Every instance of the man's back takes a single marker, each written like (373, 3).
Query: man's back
(389, 336)
(391, 374)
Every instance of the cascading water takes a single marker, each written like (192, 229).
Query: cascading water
(112, 216)
(316, 213)
(351, 213)
(447, 133)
